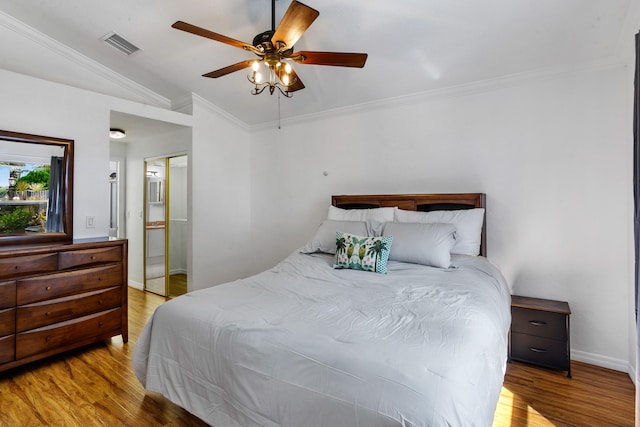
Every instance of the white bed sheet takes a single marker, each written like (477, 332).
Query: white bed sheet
(303, 344)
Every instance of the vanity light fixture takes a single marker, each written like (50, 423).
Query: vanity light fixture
(116, 133)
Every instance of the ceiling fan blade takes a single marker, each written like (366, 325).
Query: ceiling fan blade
(230, 69)
(295, 22)
(180, 25)
(336, 59)
(297, 83)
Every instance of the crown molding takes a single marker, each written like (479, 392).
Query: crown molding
(212, 108)
(482, 86)
(83, 61)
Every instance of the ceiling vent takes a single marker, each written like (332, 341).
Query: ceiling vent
(120, 43)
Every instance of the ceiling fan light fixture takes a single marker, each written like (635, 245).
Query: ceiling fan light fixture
(280, 77)
(275, 49)
(115, 133)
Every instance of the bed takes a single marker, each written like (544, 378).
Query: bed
(308, 344)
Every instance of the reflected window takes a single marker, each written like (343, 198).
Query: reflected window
(31, 188)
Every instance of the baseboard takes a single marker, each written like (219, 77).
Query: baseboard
(136, 285)
(602, 361)
(632, 374)
(178, 271)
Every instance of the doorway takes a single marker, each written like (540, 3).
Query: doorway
(166, 213)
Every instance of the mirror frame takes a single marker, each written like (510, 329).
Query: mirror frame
(67, 202)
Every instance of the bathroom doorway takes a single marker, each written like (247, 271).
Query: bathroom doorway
(166, 213)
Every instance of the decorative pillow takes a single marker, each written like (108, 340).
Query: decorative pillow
(362, 252)
(374, 214)
(426, 244)
(468, 225)
(325, 238)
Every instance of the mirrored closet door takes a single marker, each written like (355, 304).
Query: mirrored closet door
(166, 226)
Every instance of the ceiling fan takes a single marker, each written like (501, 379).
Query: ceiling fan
(274, 49)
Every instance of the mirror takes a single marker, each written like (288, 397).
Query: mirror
(155, 192)
(36, 189)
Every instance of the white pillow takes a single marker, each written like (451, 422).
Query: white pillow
(468, 223)
(325, 238)
(420, 243)
(374, 214)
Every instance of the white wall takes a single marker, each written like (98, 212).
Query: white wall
(222, 245)
(552, 155)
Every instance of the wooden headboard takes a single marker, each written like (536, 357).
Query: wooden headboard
(418, 202)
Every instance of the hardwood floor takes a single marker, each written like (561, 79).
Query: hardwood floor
(96, 386)
(594, 396)
(177, 285)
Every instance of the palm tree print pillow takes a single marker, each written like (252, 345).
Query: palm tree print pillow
(362, 253)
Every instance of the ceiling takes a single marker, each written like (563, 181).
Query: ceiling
(414, 46)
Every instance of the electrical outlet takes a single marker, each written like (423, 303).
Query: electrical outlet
(91, 222)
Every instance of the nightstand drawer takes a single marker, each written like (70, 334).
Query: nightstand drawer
(539, 323)
(543, 351)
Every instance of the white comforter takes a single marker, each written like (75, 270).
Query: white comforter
(304, 345)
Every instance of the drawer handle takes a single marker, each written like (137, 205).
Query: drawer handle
(100, 324)
(93, 257)
(537, 323)
(47, 313)
(537, 350)
(47, 339)
(48, 288)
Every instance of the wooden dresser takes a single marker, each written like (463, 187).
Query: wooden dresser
(56, 297)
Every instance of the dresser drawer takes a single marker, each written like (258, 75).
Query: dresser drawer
(539, 323)
(7, 321)
(24, 265)
(7, 294)
(41, 288)
(89, 256)
(58, 310)
(542, 351)
(7, 349)
(82, 329)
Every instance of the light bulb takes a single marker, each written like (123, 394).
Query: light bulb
(257, 77)
(287, 68)
(285, 79)
(256, 65)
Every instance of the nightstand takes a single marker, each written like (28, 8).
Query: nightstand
(540, 332)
